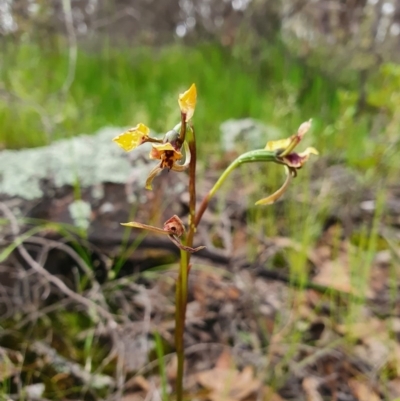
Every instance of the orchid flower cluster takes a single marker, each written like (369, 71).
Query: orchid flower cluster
(174, 147)
(169, 149)
(176, 151)
(169, 153)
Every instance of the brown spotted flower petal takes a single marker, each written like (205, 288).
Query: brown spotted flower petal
(297, 160)
(175, 225)
(166, 153)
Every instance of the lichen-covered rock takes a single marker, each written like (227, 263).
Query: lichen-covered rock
(89, 160)
(85, 160)
(87, 186)
(246, 134)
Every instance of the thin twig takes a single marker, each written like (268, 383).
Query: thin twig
(73, 48)
(51, 278)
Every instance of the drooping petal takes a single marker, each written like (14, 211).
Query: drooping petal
(184, 166)
(175, 225)
(186, 248)
(156, 230)
(179, 167)
(297, 160)
(187, 102)
(152, 175)
(276, 195)
(309, 151)
(132, 138)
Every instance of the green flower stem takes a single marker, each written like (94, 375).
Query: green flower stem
(192, 185)
(260, 155)
(180, 315)
(194, 219)
(182, 283)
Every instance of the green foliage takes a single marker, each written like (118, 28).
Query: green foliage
(123, 86)
(161, 364)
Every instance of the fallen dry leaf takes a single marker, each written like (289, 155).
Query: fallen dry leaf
(334, 267)
(138, 383)
(227, 383)
(375, 345)
(212, 286)
(310, 386)
(225, 360)
(363, 391)
(133, 397)
(334, 274)
(369, 326)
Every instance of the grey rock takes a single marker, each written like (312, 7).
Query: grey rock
(247, 134)
(80, 212)
(86, 160)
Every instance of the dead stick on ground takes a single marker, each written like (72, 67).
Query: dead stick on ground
(53, 279)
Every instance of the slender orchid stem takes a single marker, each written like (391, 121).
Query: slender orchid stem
(194, 220)
(180, 315)
(214, 189)
(182, 283)
(192, 185)
(260, 155)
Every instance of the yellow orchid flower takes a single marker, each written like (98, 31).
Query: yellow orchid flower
(166, 153)
(168, 157)
(187, 102)
(291, 160)
(132, 138)
(285, 147)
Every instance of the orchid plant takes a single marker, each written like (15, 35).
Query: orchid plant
(177, 152)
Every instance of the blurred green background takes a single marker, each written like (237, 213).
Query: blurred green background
(72, 68)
